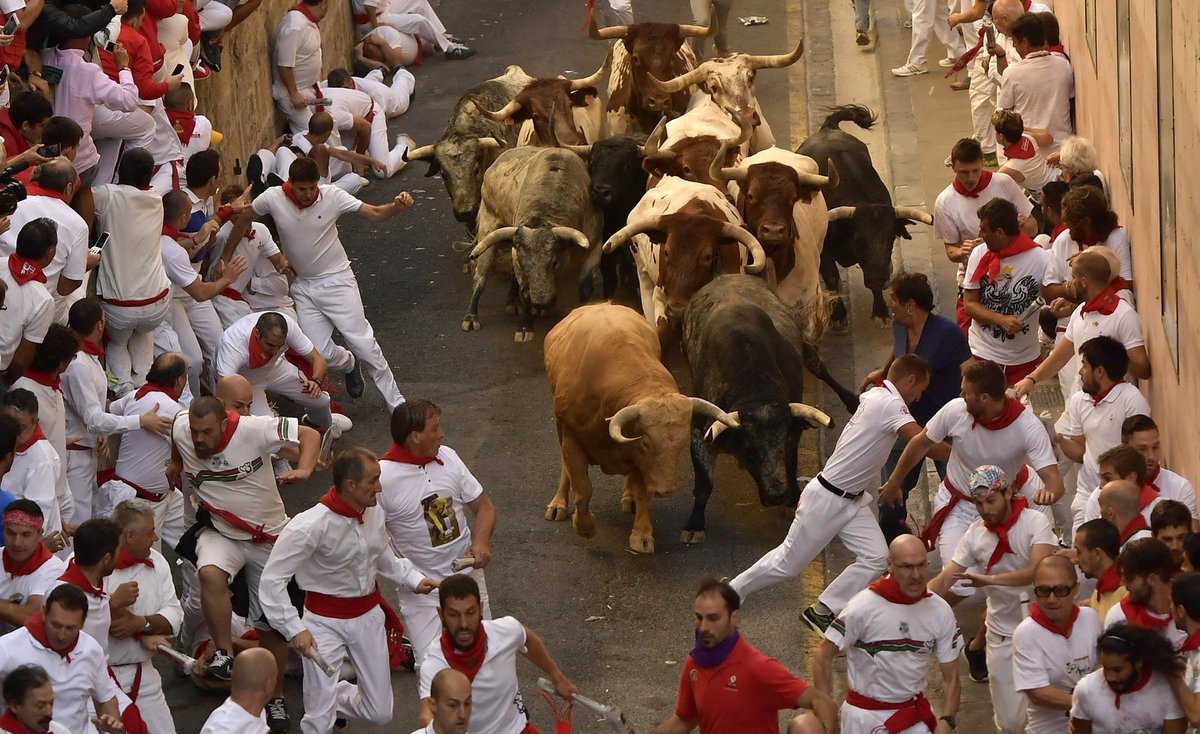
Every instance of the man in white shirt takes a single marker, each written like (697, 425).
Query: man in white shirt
(259, 250)
(29, 698)
(253, 684)
(1141, 432)
(336, 550)
(1132, 691)
(336, 164)
(1185, 598)
(1005, 544)
(28, 305)
(296, 61)
(1000, 292)
(1055, 647)
(836, 503)
(450, 696)
(131, 281)
(1120, 503)
(488, 649)
(1146, 569)
(53, 638)
(418, 17)
(889, 632)
(357, 117)
(426, 488)
(325, 289)
(35, 467)
(393, 99)
(29, 569)
(156, 614)
(1038, 86)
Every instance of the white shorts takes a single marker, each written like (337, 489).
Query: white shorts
(231, 556)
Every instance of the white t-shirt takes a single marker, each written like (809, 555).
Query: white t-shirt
(1141, 712)
(888, 646)
(257, 246)
(1043, 658)
(179, 270)
(99, 613)
(1192, 675)
(1015, 290)
(1173, 634)
(231, 718)
(18, 589)
(424, 509)
(76, 678)
(1100, 424)
(131, 263)
(309, 236)
(52, 418)
(1005, 608)
(1039, 87)
(156, 595)
(144, 455)
(346, 104)
(233, 354)
(956, 218)
(1123, 324)
(28, 312)
(70, 259)
(496, 704)
(201, 137)
(1035, 171)
(867, 439)
(297, 45)
(34, 475)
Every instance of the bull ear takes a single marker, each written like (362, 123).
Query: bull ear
(579, 96)
(434, 168)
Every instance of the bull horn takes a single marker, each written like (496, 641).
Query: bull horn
(702, 407)
(583, 151)
(841, 212)
(818, 181)
(626, 233)
(425, 151)
(594, 79)
(677, 84)
(699, 31)
(501, 115)
(758, 257)
(834, 177)
(570, 233)
(911, 212)
(745, 128)
(499, 235)
(488, 143)
(618, 421)
(810, 414)
(717, 427)
(651, 151)
(776, 61)
(611, 33)
(719, 172)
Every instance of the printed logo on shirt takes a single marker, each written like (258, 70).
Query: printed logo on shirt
(732, 684)
(1078, 668)
(693, 675)
(1007, 297)
(440, 520)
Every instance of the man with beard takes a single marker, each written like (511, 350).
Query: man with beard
(1146, 569)
(486, 652)
(1055, 647)
(1097, 545)
(1131, 692)
(1141, 432)
(30, 701)
(727, 686)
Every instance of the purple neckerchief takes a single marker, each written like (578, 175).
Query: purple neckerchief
(711, 657)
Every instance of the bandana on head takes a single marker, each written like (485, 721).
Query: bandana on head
(988, 479)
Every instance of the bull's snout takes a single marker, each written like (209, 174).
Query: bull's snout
(466, 217)
(602, 195)
(546, 304)
(776, 496)
(772, 233)
(658, 102)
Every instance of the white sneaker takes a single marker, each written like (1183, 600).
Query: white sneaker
(947, 63)
(340, 425)
(909, 70)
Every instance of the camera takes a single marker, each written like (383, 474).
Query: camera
(12, 192)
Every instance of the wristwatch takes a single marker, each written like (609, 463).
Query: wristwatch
(149, 627)
(952, 721)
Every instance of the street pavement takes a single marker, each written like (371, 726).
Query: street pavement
(617, 623)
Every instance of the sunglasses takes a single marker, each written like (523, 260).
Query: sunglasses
(1060, 590)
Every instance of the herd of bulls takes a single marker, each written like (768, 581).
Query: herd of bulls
(679, 181)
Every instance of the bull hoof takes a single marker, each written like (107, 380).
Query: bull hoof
(641, 543)
(523, 335)
(839, 327)
(881, 322)
(584, 525)
(556, 513)
(692, 537)
(510, 309)
(470, 323)
(627, 505)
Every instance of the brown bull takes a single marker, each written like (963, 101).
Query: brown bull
(692, 158)
(617, 407)
(548, 102)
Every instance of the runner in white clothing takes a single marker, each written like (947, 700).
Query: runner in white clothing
(836, 503)
(1131, 692)
(336, 550)
(1123, 463)
(35, 466)
(29, 569)
(1055, 647)
(392, 99)
(296, 61)
(363, 126)
(1146, 569)
(889, 632)
(1185, 597)
(450, 697)
(252, 686)
(325, 289)
(29, 698)
(259, 251)
(1141, 432)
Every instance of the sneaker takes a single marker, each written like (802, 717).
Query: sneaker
(977, 661)
(458, 51)
(909, 70)
(354, 380)
(340, 425)
(990, 160)
(254, 175)
(860, 37)
(340, 723)
(947, 63)
(211, 53)
(220, 667)
(453, 39)
(199, 71)
(816, 620)
(277, 715)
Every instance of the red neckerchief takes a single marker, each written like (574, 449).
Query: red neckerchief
(1058, 229)
(984, 179)
(11, 724)
(287, 191)
(34, 189)
(36, 436)
(1088, 241)
(1137, 523)
(44, 379)
(74, 575)
(1002, 545)
(24, 270)
(339, 506)
(148, 388)
(1119, 284)
(89, 347)
(31, 564)
(171, 232)
(990, 262)
(304, 10)
(1058, 48)
(1141, 616)
(1037, 615)
(1191, 643)
(887, 587)
(36, 625)
(256, 351)
(184, 124)
(396, 452)
(1150, 489)
(1104, 393)
(124, 560)
(1022, 149)
(227, 435)
(1012, 410)
(1147, 671)
(467, 662)
(1105, 302)
(1109, 581)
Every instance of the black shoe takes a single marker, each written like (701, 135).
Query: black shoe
(861, 38)
(254, 175)
(211, 53)
(459, 51)
(277, 715)
(221, 666)
(354, 380)
(977, 661)
(816, 620)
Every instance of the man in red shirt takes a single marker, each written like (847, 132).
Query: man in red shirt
(728, 687)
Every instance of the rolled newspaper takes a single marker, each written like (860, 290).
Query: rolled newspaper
(611, 714)
(459, 564)
(187, 661)
(317, 658)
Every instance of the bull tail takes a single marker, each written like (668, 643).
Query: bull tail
(816, 320)
(858, 114)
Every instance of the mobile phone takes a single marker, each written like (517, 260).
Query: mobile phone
(4, 75)
(51, 74)
(101, 241)
(178, 70)
(53, 150)
(110, 47)
(12, 25)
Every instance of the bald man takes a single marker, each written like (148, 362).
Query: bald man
(451, 694)
(1120, 504)
(253, 684)
(887, 679)
(238, 395)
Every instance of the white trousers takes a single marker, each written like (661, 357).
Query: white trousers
(297, 118)
(168, 512)
(214, 16)
(198, 330)
(984, 94)
(929, 17)
(613, 12)
(416, 17)
(110, 128)
(422, 625)
(81, 478)
(130, 349)
(821, 517)
(403, 83)
(177, 48)
(363, 642)
(150, 700)
(379, 149)
(1008, 704)
(340, 172)
(285, 379)
(334, 302)
(854, 720)
(230, 310)
(700, 11)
